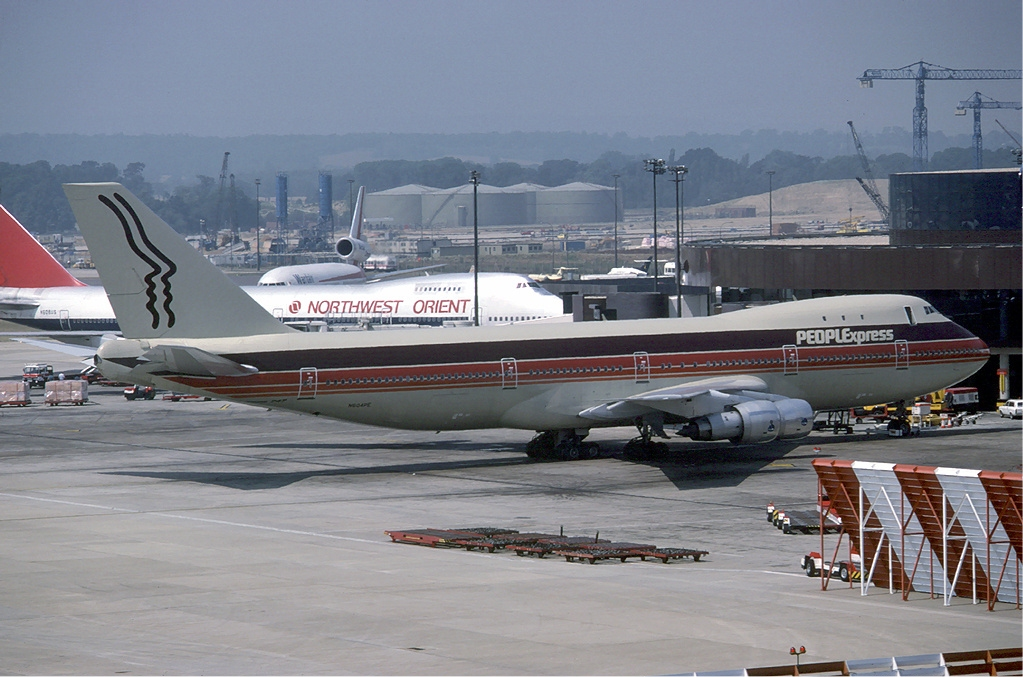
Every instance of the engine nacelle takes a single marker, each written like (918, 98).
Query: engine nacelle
(352, 250)
(756, 422)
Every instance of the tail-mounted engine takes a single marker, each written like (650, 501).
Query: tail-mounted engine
(755, 421)
(352, 250)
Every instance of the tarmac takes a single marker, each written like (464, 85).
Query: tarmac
(159, 537)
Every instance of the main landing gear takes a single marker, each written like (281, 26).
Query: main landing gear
(561, 445)
(644, 448)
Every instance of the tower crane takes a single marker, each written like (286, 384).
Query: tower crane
(978, 102)
(869, 187)
(920, 72)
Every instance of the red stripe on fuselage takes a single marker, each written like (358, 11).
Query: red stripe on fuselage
(604, 368)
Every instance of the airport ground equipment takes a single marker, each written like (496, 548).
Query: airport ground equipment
(36, 375)
(590, 549)
(68, 391)
(14, 394)
(922, 71)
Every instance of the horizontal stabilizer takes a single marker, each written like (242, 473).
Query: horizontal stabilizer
(189, 361)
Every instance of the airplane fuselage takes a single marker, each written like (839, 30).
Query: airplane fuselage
(833, 353)
(427, 300)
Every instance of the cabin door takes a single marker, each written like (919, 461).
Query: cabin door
(307, 383)
(790, 360)
(509, 373)
(902, 354)
(65, 320)
(641, 362)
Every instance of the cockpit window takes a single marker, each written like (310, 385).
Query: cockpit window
(909, 315)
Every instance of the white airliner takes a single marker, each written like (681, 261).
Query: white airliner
(36, 291)
(347, 271)
(754, 375)
(354, 252)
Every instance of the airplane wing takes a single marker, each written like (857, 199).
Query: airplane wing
(738, 408)
(192, 362)
(57, 346)
(403, 273)
(697, 398)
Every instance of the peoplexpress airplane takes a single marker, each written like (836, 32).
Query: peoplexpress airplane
(753, 375)
(36, 291)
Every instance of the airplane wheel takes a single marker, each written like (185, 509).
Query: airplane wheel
(592, 450)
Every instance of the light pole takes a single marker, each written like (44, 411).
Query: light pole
(474, 176)
(616, 219)
(655, 167)
(258, 262)
(680, 174)
(770, 201)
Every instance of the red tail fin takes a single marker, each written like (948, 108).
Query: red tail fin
(26, 263)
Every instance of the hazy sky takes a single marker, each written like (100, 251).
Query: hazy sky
(642, 67)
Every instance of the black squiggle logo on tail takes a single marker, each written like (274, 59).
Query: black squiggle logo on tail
(171, 268)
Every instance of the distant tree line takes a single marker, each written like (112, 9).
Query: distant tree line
(33, 194)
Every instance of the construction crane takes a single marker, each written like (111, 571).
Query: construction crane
(978, 102)
(218, 223)
(1018, 150)
(869, 187)
(921, 71)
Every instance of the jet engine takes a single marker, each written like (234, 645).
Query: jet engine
(352, 250)
(755, 421)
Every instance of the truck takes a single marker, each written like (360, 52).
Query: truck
(960, 400)
(36, 375)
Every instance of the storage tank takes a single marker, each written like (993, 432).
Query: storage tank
(576, 203)
(403, 205)
(529, 191)
(497, 206)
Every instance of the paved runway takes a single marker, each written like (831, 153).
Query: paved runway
(157, 537)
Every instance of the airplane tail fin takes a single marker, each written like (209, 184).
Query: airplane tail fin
(26, 263)
(159, 285)
(356, 231)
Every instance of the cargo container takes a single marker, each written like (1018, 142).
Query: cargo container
(71, 391)
(14, 393)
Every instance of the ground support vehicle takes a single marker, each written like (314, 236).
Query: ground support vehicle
(806, 521)
(594, 552)
(846, 571)
(1011, 409)
(69, 391)
(178, 397)
(36, 375)
(837, 422)
(14, 394)
(134, 392)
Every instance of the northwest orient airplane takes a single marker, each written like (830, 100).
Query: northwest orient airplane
(36, 291)
(753, 375)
